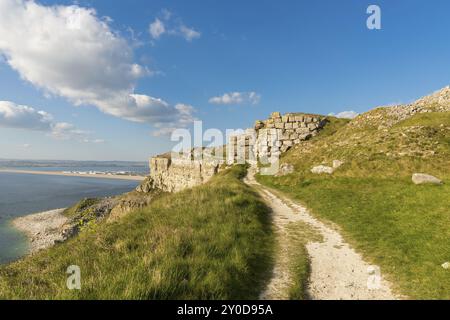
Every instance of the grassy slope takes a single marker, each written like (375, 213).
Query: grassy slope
(211, 242)
(79, 207)
(400, 226)
(414, 145)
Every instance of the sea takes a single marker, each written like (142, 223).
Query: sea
(24, 194)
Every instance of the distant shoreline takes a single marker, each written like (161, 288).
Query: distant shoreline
(59, 173)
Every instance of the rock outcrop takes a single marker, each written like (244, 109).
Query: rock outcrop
(146, 186)
(94, 210)
(387, 117)
(131, 202)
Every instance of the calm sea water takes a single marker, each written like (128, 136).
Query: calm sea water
(23, 194)
(57, 165)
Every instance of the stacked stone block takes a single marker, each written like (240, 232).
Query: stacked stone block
(273, 136)
(240, 148)
(279, 133)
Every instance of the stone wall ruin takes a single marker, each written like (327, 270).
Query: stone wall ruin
(267, 140)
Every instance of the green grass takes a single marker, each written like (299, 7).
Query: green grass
(429, 119)
(402, 227)
(298, 235)
(332, 126)
(80, 207)
(418, 144)
(212, 242)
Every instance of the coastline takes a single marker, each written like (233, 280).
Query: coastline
(42, 229)
(59, 173)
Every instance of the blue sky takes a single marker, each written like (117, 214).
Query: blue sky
(288, 56)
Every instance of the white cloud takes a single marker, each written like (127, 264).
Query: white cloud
(346, 114)
(186, 118)
(188, 33)
(27, 118)
(172, 26)
(26, 145)
(237, 98)
(96, 141)
(157, 29)
(23, 117)
(66, 131)
(69, 52)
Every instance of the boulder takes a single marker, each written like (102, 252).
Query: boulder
(322, 169)
(421, 178)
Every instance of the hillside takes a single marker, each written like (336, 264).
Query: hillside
(217, 247)
(396, 224)
(387, 141)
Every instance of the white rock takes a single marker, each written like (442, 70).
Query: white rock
(446, 265)
(337, 163)
(322, 169)
(421, 178)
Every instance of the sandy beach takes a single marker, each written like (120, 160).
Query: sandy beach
(58, 173)
(42, 229)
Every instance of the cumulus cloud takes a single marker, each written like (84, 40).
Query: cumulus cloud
(157, 28)
(68, 51)
(185, 118)
(346, 114)
(23, 117)
(236, 98)
(66, 131)
(168, 24)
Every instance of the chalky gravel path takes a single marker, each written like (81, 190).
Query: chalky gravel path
(338, 272)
